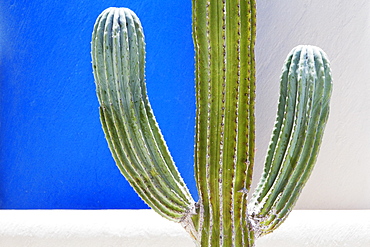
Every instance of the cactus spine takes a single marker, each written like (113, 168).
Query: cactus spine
(224, 37)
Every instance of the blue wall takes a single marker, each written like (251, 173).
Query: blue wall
(52, 149)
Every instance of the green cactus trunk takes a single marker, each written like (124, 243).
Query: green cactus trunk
(224, 35)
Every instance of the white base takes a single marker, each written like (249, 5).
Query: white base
(144, 228)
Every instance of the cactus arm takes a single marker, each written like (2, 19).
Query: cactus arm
(291, 122)
(302, 114)
(224, 34)
(312, 142)
(132, 133)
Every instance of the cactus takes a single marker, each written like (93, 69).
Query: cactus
(224, 36)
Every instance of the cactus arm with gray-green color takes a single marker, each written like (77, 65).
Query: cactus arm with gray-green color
(224, 36)
(305, 89)
(129, 125)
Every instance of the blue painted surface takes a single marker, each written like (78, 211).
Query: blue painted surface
(53, 152)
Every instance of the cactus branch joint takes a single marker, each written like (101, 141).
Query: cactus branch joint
(224, 35)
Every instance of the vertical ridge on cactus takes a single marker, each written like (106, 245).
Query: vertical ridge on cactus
(224, 33)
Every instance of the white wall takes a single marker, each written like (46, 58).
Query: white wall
(142, 228)
(341, 178)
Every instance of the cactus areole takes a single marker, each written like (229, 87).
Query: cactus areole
(224, 36)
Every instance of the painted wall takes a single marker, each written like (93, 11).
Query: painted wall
(341, 178)
(53, 152)
(52, 149)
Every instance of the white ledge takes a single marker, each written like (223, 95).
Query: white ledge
(143, 228)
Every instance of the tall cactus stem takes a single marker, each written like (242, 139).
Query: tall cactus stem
(224, 35)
